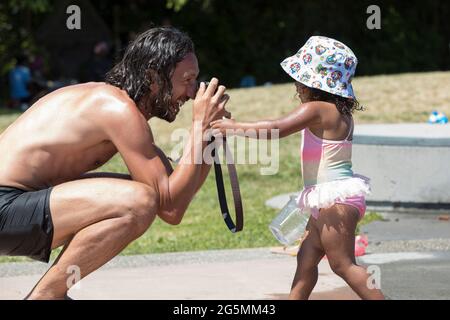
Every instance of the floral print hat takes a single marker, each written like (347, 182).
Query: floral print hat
(325, 64)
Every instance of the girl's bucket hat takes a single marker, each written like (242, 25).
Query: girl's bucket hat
(323, 63)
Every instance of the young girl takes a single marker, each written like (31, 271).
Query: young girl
(323, 69)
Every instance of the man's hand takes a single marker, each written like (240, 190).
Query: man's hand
(209, 103)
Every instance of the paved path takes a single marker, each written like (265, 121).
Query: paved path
(411, 251)
(216, 274)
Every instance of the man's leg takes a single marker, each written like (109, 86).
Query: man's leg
(96, 219)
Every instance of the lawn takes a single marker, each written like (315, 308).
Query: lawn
(393, 98)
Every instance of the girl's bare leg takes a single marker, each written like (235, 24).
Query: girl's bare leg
(308, 258)
(337, 226)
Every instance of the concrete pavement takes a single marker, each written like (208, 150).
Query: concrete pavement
(216, 274)
(412, 252)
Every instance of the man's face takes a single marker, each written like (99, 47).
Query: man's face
(166, 105)
(184, 83)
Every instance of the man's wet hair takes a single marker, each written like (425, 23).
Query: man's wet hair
(150, 58)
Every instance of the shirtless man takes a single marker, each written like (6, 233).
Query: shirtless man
(47, 197)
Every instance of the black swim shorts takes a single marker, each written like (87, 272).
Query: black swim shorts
(26, 227)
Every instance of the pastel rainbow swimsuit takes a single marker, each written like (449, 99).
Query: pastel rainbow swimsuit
(327, 174)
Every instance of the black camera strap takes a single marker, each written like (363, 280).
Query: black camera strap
(234, 188)
(220, 185)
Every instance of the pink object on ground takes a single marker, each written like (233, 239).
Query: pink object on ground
(361, 243)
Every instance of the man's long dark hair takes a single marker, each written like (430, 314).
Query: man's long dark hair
(151, 58)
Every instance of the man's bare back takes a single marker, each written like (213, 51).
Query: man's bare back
(55, 140)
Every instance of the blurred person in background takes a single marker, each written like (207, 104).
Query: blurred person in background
(19, 78)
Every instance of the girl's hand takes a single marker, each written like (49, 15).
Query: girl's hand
(223, 127)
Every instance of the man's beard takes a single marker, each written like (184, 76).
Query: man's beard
(162, 107)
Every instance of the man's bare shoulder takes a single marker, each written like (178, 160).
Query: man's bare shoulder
(109, 104)
(93, 97)
(116, 113)
(113, 100)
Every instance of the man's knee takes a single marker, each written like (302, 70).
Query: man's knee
(140, 207)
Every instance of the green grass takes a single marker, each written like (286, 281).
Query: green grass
(368, 218)
(397, 98)
(7, 116)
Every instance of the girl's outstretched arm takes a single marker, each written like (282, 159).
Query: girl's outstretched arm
(301, 117)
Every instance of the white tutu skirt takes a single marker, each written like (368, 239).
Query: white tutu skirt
(324, 195)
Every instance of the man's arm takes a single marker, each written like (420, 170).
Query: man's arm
(134, 141)
(106, 175)
(203, 175)
(169, 169)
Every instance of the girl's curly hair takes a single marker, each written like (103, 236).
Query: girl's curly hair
(345, 106)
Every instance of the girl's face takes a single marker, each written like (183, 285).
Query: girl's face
(302, 91)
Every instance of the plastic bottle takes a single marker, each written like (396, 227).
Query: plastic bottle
(289, 225)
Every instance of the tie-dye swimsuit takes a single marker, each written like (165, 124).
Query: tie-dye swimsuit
(327, 175)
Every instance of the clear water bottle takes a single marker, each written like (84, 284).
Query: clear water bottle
(290, 223)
